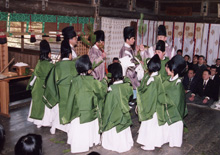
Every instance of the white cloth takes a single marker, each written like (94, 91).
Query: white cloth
(83, 136)
(152, 135)
(47, 118)
(56, 120)
(119, 142)
(74, 55)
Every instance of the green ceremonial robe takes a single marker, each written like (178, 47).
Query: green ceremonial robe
(175, 107)
(85, 101)
(151, 99)
(116, 109)
(58, 85)
(162, 71)
(41, 72)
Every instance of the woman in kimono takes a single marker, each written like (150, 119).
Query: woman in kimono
(175, 105)
(116, 116)
(58, 86)
(83, 108)
(39, 113)
(150, 104)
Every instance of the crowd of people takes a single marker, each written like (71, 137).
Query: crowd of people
(77, 96)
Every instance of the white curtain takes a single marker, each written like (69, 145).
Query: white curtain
(213, 44)
(204, 39)
(198, 38)
(169, 29)
(178, 35)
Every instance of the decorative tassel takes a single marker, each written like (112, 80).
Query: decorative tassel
(58, 38)
(3, 38)
(32, 39)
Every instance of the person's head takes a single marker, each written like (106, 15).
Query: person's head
(160, 49)
(154, 64)
(213, 70)
(100, 38)
(70, 35)
(45, 51)
(83, 65)
(218, 61)
(191, 73)
(206, 74)
(116, 71)
(115, 60)
(129, 35)
(195, 59)
(175, 66)
(179, 52)
(187, 58)
(30, 144)
(161, 33)
(2, 137)
(66, 51)
(201, 59)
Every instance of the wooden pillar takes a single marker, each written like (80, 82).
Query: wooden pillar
(4, 98)
(97, 20)
(22, 37)
(3, 56)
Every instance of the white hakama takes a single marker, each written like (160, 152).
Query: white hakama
(174, 133)
(151, 135)
(83, 136)
(119, 142)
(46, 120)
(56, 121)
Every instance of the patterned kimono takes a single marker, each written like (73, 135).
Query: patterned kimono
(126, 50)
(95, 55)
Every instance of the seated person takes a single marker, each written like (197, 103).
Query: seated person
(2, 137)
(190, 81)
(201, 67)
(115, 60)
(194, 64)
(179, 52)
(30, 144)
(214, 76)
(218, 65)
(203, 93)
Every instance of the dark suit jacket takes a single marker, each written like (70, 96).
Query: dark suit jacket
(186, 83)
(208, 91)
(193, 66)
(216, 81)
(200, 71)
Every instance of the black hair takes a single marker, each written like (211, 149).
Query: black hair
(217, 59)
(116, 71)
(201, 56)
(177, 64)
(65, 49)
(206, 70)
(2, 137)
(93, 153)
(179, 50)
(30, 144)
(83, 64)
(192, 70)
(197, 56)
(115, 58)
(187, 56)
(154, 64)
(44, 50)
(213, 66)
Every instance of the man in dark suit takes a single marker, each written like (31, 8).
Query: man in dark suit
(190, 81)
(194, 64)
(203, 93)
(215, 77)
(218, 66)
(201, 67)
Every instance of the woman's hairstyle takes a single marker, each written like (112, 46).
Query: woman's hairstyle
(116, 71)
(2, 137)
(65, 49)
(30, 144)
(177, 65)
(44, 50)
(154, 64)
(83, 64)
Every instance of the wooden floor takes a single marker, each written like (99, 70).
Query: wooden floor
(202, 138)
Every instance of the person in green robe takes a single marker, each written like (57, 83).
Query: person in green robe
(39, 113)
(150, 104)
(116, 117)
(58, 85)
(175, 106)
(84, 107)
